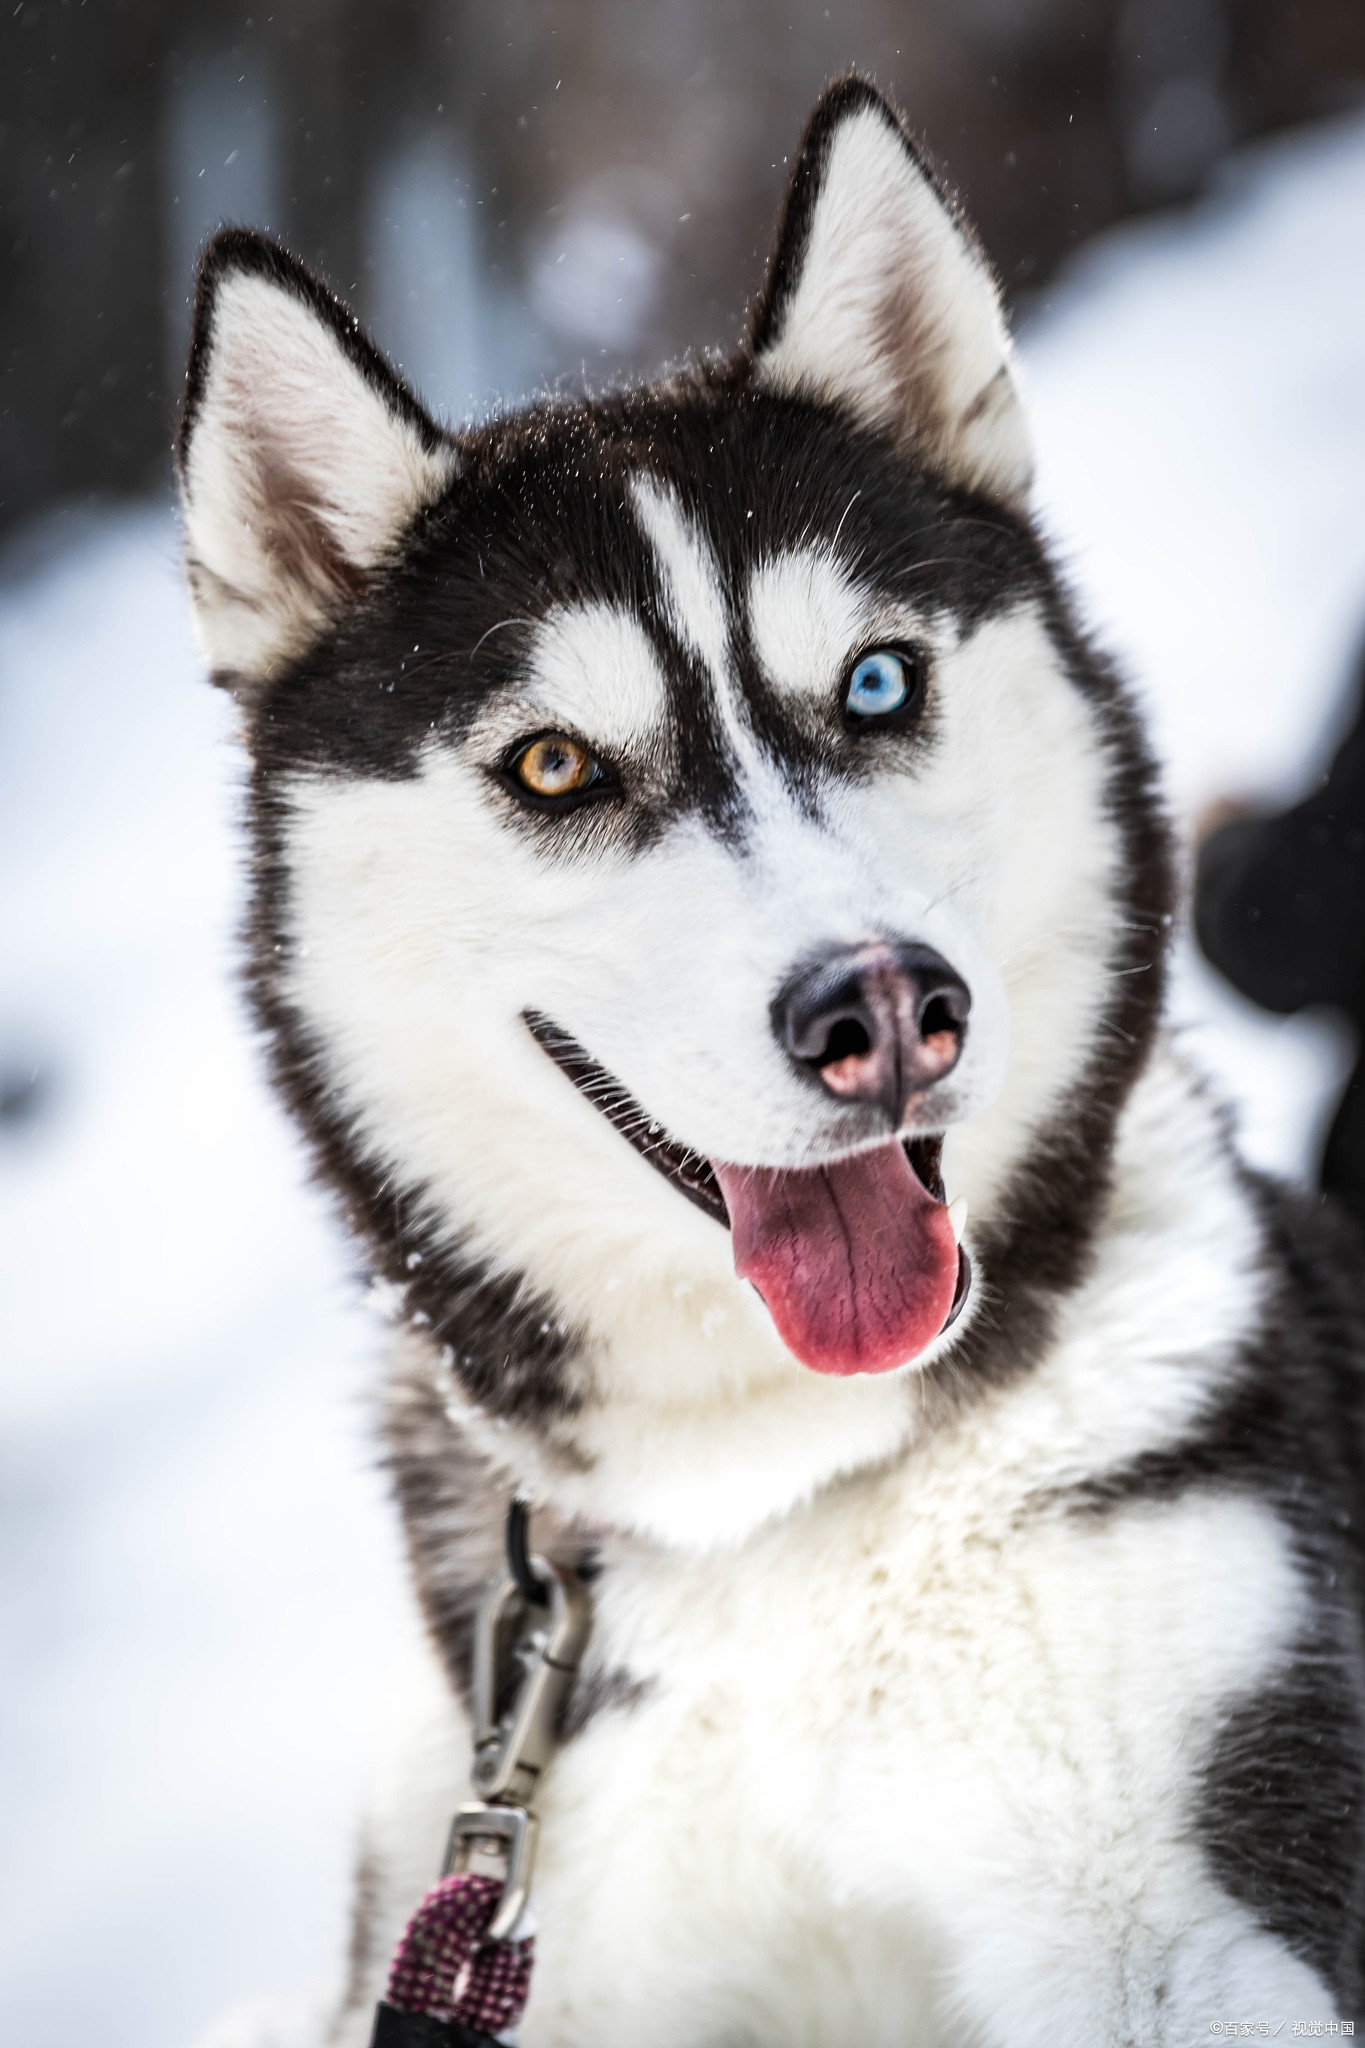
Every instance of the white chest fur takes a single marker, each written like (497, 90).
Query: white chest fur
(901, 1763)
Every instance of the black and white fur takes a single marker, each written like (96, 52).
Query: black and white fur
(1014, 1697)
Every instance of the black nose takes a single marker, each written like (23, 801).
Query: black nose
(877, 1023)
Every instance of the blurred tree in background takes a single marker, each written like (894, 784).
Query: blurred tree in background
(514, 191)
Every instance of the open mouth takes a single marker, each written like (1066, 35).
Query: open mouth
(857, 1262)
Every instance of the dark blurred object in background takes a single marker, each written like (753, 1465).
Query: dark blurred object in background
(1280, 911)
(513, 189)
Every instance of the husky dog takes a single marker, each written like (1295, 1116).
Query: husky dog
(710, 902)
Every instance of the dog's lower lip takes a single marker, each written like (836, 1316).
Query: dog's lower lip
(689, 1171)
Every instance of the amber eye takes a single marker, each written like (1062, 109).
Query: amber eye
(555, 766)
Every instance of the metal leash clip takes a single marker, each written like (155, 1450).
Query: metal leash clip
(523, 1668)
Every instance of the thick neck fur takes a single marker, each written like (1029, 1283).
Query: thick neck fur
(1110, 1382)
(753, 1447)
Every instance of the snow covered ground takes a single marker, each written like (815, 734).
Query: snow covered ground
(190, 1524)
(200, 1589)
(1200, 411)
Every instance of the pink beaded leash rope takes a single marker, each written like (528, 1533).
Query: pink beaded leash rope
(459, 1977)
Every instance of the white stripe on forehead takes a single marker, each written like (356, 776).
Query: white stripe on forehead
(696, 606)
(687, 570)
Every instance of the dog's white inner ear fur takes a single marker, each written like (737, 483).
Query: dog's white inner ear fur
(879, 302)
(299, 468)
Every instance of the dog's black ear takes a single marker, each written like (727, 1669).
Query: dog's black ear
(301, 456)
(879, 300)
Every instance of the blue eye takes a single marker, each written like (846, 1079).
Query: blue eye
(878, 685)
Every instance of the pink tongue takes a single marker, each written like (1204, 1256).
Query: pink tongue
(856, 1261)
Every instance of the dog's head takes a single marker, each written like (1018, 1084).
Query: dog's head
(685, 810)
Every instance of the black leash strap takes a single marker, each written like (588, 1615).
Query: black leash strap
(394, 2028)
(517, 1535)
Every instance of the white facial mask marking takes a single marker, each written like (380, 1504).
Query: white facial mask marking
(808, 618)
(594, 669)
